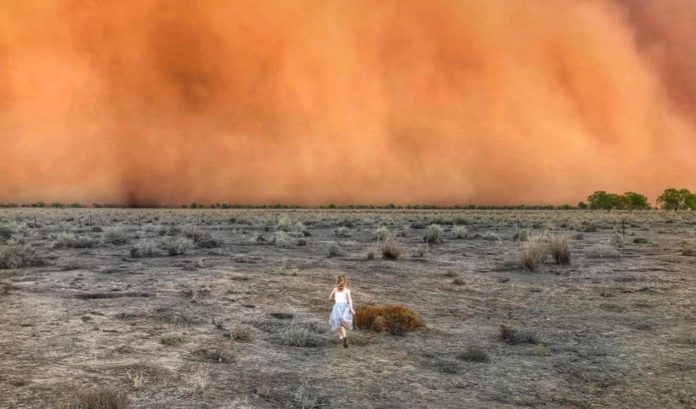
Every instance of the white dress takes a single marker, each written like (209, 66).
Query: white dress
(341, 315)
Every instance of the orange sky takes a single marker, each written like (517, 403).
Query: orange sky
(313, 101)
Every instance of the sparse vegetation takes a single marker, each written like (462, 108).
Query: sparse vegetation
(177, 245)
(474, 354)
(15, 255)
(343, 232)
(98, 398)
(115, 235)
(144, 248)
(70, 240)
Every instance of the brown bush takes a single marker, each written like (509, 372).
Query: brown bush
(394, 319)
(390, 250)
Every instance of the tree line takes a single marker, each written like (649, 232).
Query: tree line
(670, 199)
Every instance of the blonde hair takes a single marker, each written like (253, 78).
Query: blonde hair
(341, 282)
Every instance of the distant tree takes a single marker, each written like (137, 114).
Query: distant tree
(691, 201)
(673, 199)
(582, 205)
(618, 201)
(635, 201)
(601, 200)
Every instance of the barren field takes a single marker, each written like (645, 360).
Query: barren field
(228, 309)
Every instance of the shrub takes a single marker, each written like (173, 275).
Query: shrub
(333, 250)
(144, 248)
(371, 253)
(393, 319)
(381, 233)
(474, 354)
(343, 232)
(422, 250)
(521, 235)
(688, 249)
(617, 239)
(101, 398)
(5, 233)
(171, 339)
(560, 249)
(69, 240)
(460, 232)
(282, 239)
(176, 245)
(390, 250)
(533, 253)
(433, 234)
(115, 235)
(284, 223)
(15, 255)
(299, 336)
(512, 336)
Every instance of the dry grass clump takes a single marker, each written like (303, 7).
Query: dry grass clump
(177, 245)
(298, 335)
(560, 249)
(214, 355)
(460, 232)
(474, 354)
(100, 398)
(433, 234)
(115, 235)
(242, 333)
(200, 380)
(390, 250)
(70, 240)
(171, 339)
(533, 253)
(144, 248)
(603, 250)
(512, 336)
(393, 319)
(281, 239)
(15, 255)
(382, 233)
(200, 238)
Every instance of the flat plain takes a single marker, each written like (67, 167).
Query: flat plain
(207, 308)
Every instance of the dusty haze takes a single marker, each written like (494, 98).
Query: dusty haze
(312, 102)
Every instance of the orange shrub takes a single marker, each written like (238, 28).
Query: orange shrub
(394, 319)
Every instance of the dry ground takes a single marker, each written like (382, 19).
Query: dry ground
(616, 327)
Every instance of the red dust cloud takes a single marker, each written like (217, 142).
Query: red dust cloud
(313, 102)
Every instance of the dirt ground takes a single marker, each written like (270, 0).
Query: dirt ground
(110, 308)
